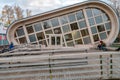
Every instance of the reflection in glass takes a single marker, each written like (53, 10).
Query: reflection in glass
(71, 17)
(52, 40)
(66, 28)
(76, 34)
(57, 30)
(105, 17)
(55, 22)
(30, 29)
(96, 12)
(37, 27)
(91, 21)
(95, 37)
(101, 28)
(74, 26)
(63, 20)
(49, 32)
(32, 38)
(78, 41)
(89, 13)
(79, 15)
(93, 30)
(22, 40)
(68, 37)
(98, 19)
(82, 24)
(43, 42)
(46, 24)
(70, 43)
(58, 40)
(103, 35)
(108, 26)
(84, 32)
(20, 32)
(40, 36)
(87, 40)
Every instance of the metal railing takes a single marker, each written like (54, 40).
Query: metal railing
(56, 65)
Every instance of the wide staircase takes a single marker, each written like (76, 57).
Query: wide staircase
(36, 63)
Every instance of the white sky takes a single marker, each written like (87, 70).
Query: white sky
(38, 6)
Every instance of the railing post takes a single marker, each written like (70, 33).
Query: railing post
(111, 66)
(50, 70)
(101, 65)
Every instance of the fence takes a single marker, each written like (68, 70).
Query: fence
(59, 65)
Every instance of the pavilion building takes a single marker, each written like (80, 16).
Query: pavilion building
(84, 23)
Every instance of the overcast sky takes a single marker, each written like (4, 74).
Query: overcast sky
(38, 6)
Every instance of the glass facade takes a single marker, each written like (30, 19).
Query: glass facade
(3, 40)
(73, 27)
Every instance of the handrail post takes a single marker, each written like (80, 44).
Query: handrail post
(101, 66)
(50, 66)
(111, 65)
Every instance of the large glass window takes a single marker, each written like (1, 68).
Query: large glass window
(82, 24)
(46, 24)
(84, 32)
(66, 28)
(20, 32)
(30, 29)
(79, 15)
(99, 23)
(37, 27)
(101, 28)
(98, 19)
(71, 17)
(63, 20)
(89, 13)
(32, 38)
(55, 22)
(74, 26)
(40, 36)
(68, 37)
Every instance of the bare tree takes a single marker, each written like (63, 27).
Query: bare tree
(116, 4)
(18, 11)
(7, 14)
(28, 12)
(11, 13)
